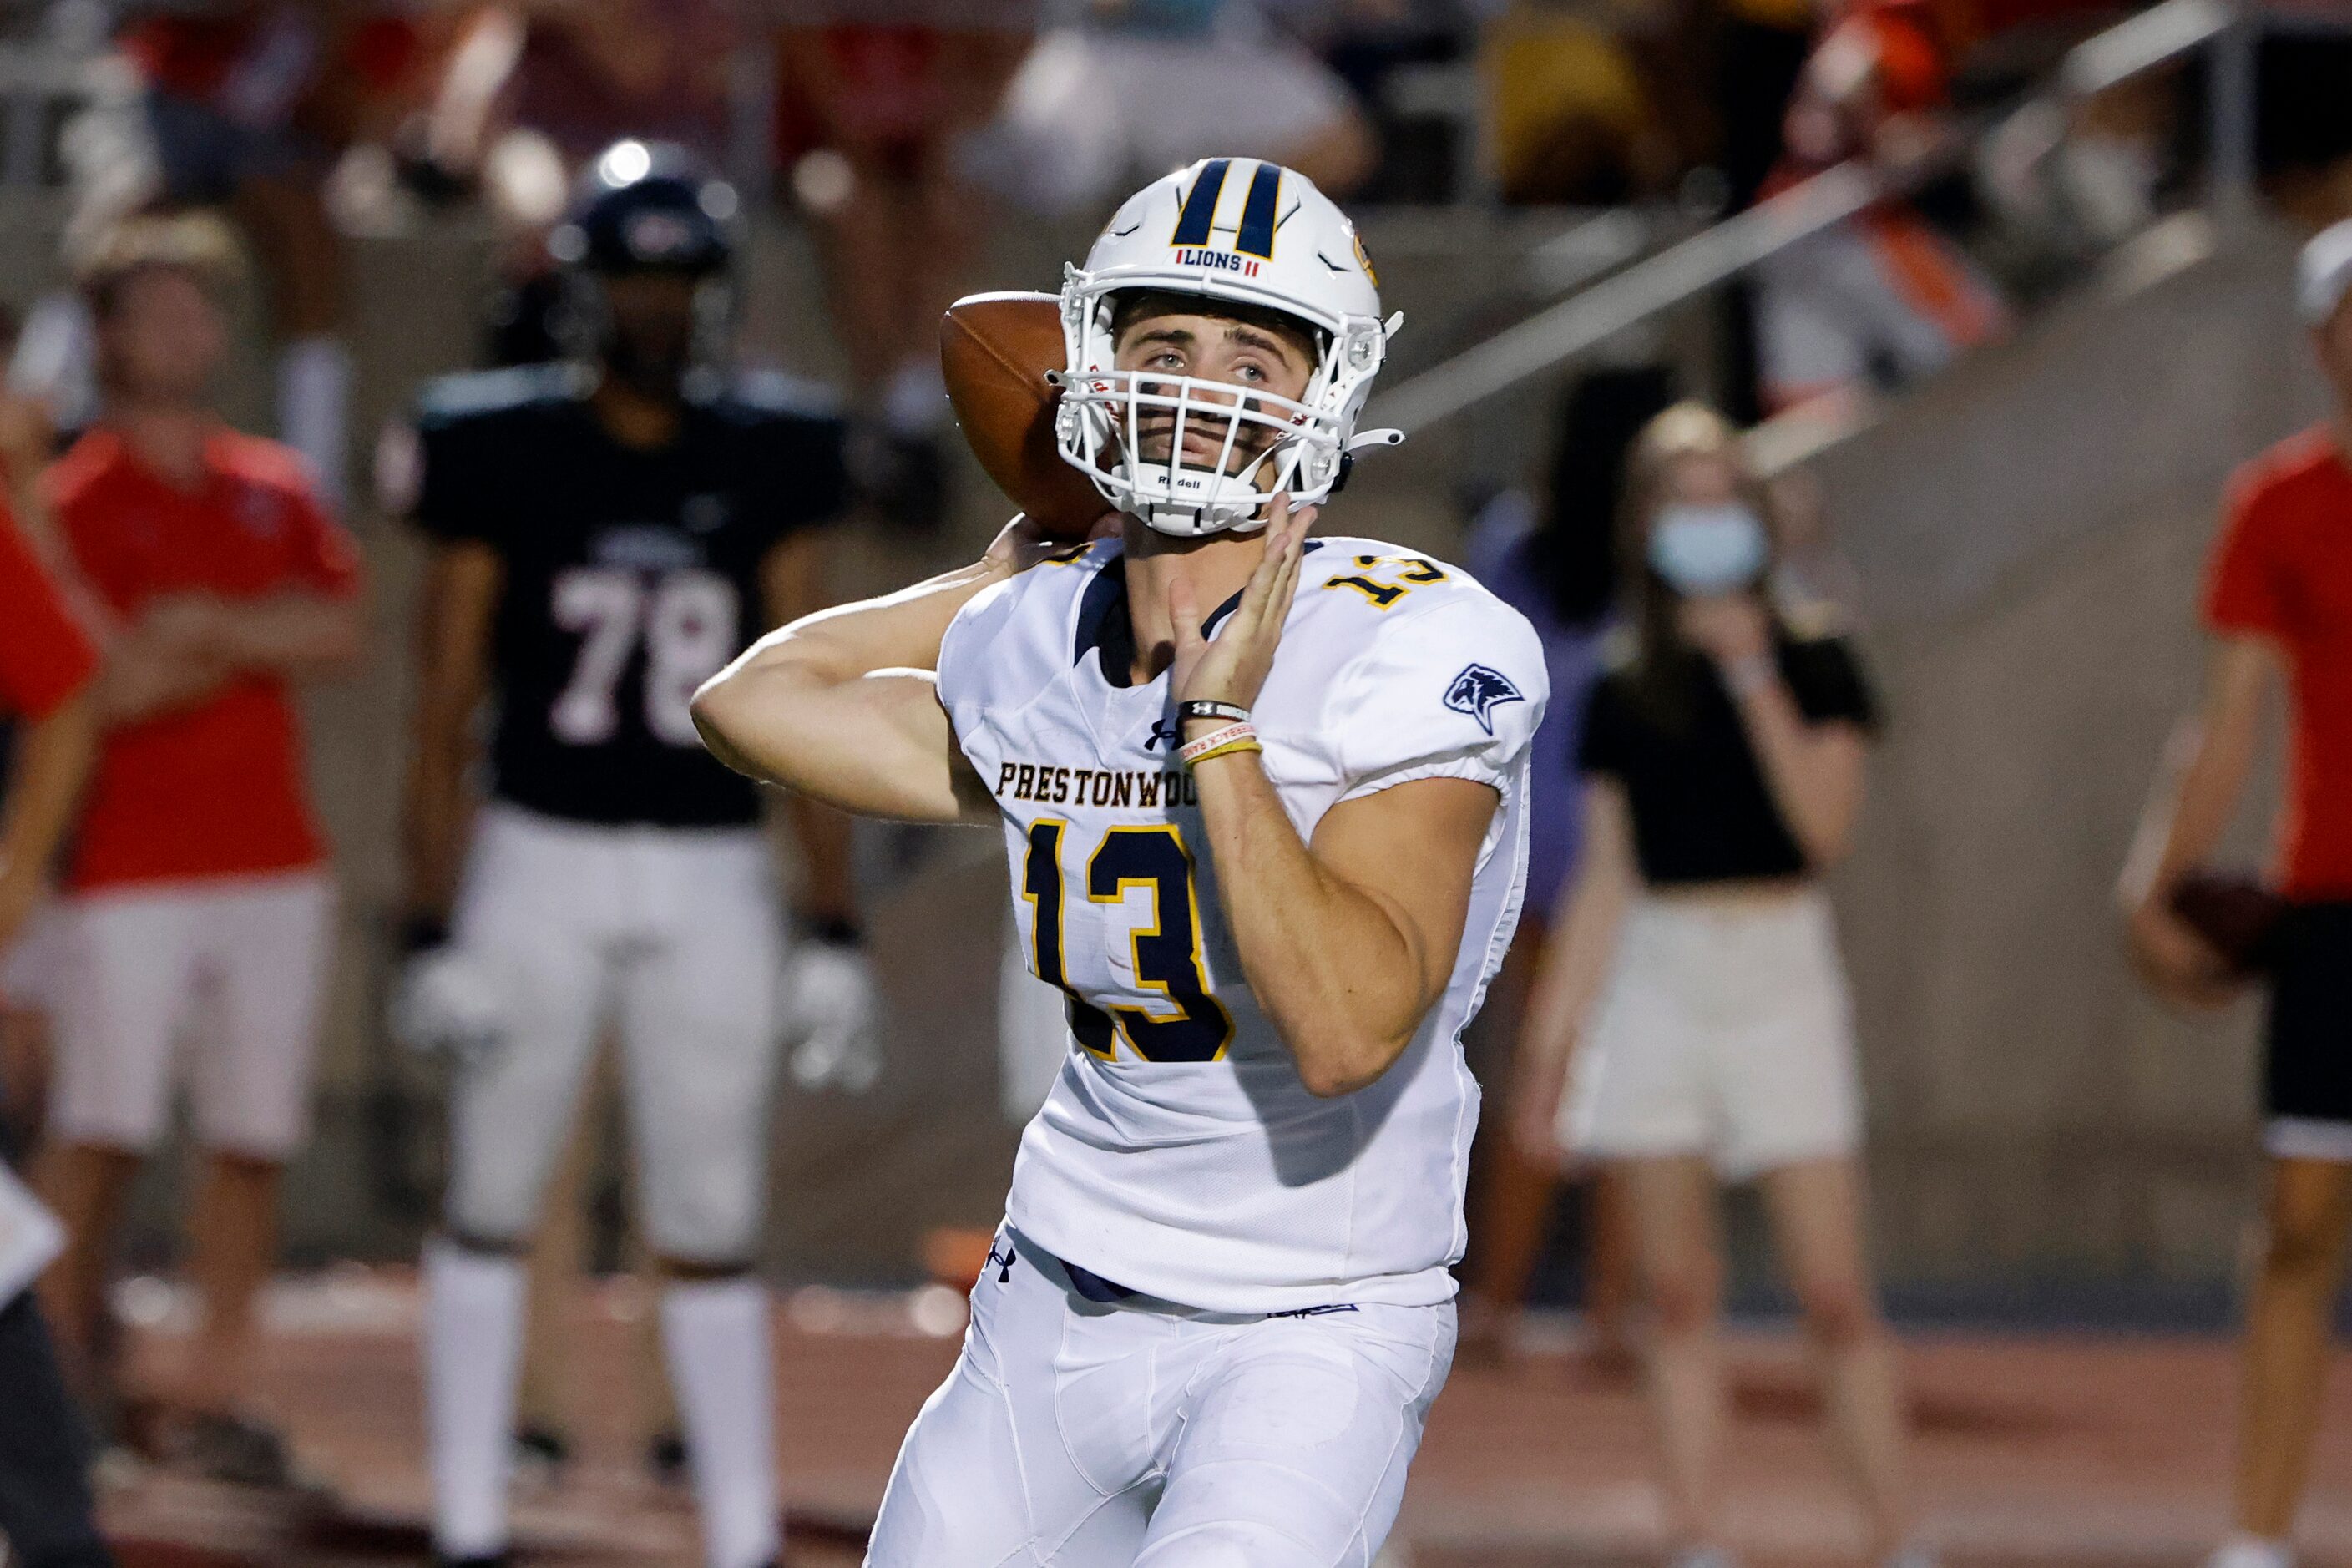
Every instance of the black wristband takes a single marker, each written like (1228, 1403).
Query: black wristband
(834, 931)
(1225, 713)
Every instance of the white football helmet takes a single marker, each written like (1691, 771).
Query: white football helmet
(1245, 232)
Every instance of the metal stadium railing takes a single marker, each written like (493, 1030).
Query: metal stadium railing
(2146, 42)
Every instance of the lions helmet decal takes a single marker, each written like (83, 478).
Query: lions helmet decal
(1236, 232)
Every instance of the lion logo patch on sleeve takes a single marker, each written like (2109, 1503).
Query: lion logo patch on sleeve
(1478, 691)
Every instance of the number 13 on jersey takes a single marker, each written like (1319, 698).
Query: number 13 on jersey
(1163, 953)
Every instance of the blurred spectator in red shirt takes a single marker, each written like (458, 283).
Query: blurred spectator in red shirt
(655, 69)
(876, 99)
(579, 75)
(198, 869)
(1118, 90)
(28, 956)
(530, 90)
(46, 663)
(246, 107)
(1882, 296)
(46, 660)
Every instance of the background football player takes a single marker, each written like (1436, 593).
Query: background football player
(1262, 799)
(606, 534)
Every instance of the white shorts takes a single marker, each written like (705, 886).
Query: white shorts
(1089, 114)
(236, 964)
(1724, 1031)
(673, 935)
(1077, 1434)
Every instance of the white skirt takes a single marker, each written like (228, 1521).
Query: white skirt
(1724, 1031)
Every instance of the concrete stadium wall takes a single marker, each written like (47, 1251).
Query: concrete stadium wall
(2031, 533)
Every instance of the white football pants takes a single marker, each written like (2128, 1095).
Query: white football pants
(675, 935)
(1078, 1434)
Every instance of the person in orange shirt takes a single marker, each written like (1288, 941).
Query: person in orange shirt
(47, 665)
(198, 870)
(1882, 296)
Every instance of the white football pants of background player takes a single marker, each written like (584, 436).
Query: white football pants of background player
(673, 936)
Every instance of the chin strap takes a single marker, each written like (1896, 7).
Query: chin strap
(1347, 454)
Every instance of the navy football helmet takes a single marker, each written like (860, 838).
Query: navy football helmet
(646, 207)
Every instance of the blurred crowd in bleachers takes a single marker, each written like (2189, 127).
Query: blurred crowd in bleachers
(898, 130)
(1575, 101)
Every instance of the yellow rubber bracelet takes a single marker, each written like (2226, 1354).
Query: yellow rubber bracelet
(1227, 749)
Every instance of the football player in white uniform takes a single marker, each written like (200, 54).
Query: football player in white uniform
(602, 529)
(1262, 797)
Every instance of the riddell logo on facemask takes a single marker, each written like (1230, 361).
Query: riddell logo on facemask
(1221, 260)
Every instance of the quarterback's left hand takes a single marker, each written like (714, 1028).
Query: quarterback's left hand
(829, 1017)
(1234, 667)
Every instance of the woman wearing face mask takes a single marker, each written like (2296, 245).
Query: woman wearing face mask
(1552, 556)
(1692, 1002)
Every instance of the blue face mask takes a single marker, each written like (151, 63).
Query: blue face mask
(1703, 549)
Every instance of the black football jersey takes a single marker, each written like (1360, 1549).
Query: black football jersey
(631, 576)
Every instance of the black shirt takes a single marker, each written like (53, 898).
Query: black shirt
(1702, 810)
(631, 576)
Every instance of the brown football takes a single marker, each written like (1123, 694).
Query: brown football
(995, 351)
(2236, 915)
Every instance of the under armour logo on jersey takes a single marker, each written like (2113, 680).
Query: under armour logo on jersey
(1167, 731)
(1001, 1262)
(1478, 691)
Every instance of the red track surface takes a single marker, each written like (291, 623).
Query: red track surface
(2043, 1451)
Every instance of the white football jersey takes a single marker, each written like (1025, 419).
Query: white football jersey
(1179, 1156)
